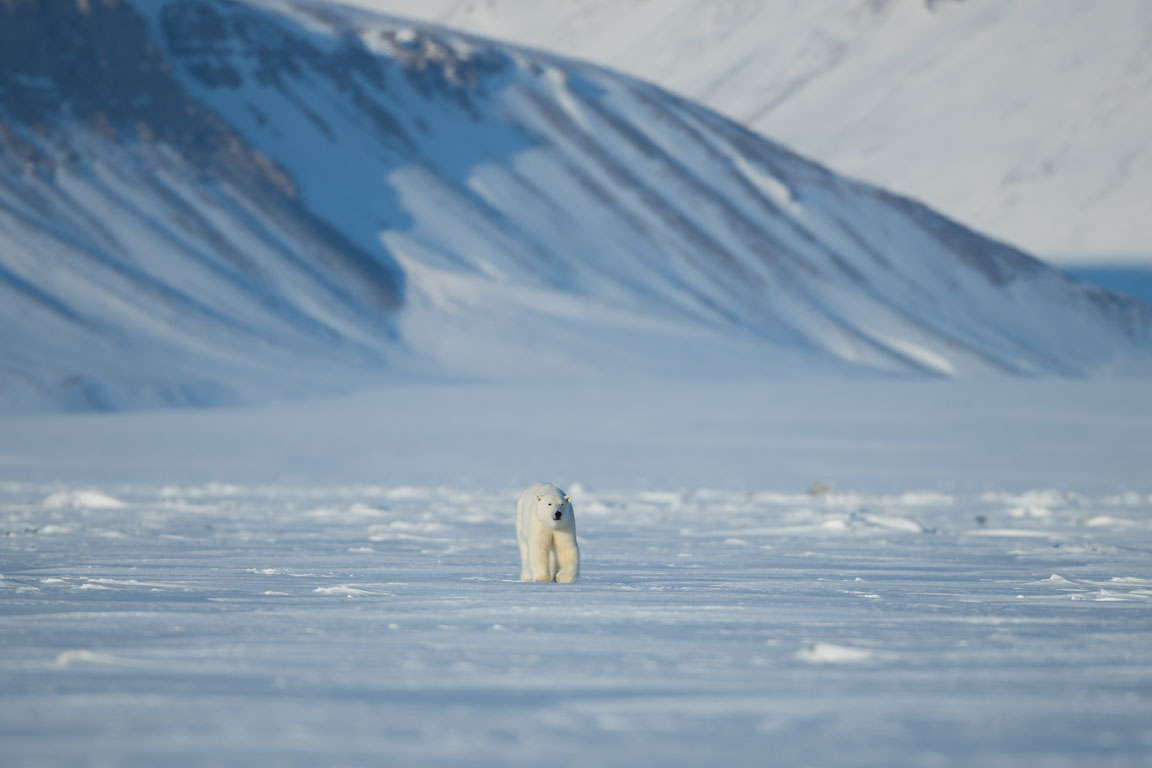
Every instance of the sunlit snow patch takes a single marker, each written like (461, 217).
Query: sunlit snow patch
(828, 653)
(67, 658)
(81, 499)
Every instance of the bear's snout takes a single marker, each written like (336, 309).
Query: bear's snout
(556, 515)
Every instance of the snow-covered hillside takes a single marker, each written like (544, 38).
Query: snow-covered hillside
(148, 254)
(1027, 119)
(206, 201)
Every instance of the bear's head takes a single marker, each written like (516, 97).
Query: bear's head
(553, 510)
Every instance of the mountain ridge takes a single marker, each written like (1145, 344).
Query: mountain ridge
(382, 199)
(1018, 118)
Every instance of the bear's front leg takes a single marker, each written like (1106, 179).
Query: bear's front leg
(525, 572)
(539, 547)
(568, 556)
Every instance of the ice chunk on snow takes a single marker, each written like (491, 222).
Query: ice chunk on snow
(343, 589)
(828, 653)
(1100, 521)
(887, 521)
(1030, 510)
(67, 658)
(81, 499)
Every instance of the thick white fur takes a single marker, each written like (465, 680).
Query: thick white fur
(548, 550)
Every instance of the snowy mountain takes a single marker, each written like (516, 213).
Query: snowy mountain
(1026, 119)
(217, 201)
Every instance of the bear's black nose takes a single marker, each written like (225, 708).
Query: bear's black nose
(557, 515)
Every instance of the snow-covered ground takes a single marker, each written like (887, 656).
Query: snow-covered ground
(334, 583)
(875, 436)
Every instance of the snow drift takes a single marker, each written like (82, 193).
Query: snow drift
(215, 201)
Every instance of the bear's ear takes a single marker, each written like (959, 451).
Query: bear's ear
(568, 499)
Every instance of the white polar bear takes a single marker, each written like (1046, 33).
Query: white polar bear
(546, 532)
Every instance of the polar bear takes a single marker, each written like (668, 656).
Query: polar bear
(546, 532)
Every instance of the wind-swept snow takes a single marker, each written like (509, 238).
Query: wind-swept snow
(834, 574)
(225, 624)
(242, 200)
